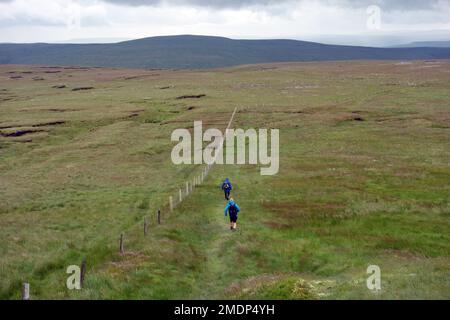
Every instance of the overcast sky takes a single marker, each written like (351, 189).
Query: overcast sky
(333, 21)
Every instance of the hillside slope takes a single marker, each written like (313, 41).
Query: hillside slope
(191, 52)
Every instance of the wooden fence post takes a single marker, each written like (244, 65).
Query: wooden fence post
(145, 226)
(26, 291)
(171, 203)
(159, 216)
(121, 244)
(181, 195)
(187, 189)
(82, 272)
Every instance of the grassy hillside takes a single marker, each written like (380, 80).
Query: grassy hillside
(364, 179)
(188, 52)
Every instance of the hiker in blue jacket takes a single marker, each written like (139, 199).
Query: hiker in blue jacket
(227, 187)
(233, 209)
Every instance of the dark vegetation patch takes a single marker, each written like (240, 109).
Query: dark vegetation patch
(49, 110)
(76, 68)
(38, 79)
(153, 121)
(133, 115)
(350, 117)
(132, 77)
(19, 133)
(357, 117)
(165, 87)
(82, 88)
(141, 76)
(194, 96)
(52, 71)
(46, 124)
(7, 127)
(16, 77)
(62, 86)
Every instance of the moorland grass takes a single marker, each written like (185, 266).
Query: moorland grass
(349, 193)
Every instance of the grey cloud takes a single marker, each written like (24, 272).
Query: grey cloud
(404, 5)
(199, 3)
(388, 5)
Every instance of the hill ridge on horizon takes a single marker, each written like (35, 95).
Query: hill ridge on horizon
(201, 52)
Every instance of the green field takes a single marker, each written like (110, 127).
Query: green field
(364, 180)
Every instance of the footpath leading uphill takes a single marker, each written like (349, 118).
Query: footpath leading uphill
(219, 245)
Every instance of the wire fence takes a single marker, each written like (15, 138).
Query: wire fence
(175, 199)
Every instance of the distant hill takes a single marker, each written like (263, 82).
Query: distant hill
(191, 52)
(426, 44)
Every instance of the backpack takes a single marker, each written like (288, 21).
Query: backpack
(226, 186)
(233, 209)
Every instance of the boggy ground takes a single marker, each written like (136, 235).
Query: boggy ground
(364, 179)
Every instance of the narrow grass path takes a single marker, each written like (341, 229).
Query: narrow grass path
(215, 268)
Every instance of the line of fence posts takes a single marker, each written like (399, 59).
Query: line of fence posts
(190, 186)
(197, 180)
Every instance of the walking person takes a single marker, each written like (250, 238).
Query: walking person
(233, 210)
(227, 187)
